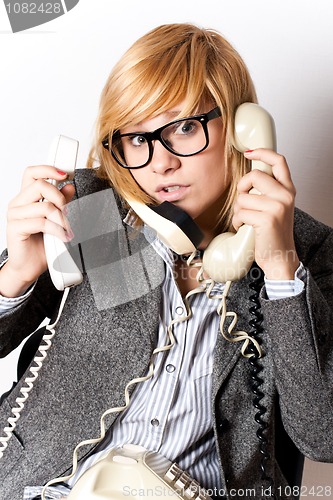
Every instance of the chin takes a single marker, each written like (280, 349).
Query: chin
(191, 211)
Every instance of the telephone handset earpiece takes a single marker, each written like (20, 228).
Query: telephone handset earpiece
(254, 128)
(229, 256)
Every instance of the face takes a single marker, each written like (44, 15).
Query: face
(197, 184)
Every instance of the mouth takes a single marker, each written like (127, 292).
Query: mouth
(170, 189)
(171, 192)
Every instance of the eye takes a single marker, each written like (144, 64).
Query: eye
(137, 140)
(186, 127)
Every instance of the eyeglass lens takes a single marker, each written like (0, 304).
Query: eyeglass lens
(184, 137)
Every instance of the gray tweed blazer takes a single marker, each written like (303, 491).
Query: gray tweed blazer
(100, 345)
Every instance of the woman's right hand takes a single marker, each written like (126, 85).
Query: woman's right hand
(27, 220)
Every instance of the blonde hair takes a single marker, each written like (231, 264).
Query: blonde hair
(170, 64)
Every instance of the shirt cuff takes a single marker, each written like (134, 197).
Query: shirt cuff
(282, 289)
(7, 303)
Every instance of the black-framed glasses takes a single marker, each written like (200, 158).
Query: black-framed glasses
(184, 137)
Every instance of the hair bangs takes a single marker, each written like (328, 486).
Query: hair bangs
(146, 90)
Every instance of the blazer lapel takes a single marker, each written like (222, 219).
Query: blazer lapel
(227, 353)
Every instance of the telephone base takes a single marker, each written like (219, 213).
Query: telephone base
(134, 472)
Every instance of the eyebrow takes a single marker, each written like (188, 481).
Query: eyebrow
(170, 115)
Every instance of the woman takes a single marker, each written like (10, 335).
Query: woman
(197, 408)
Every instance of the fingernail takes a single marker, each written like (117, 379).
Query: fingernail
(60, 172)
(69, 234)
(248, 151)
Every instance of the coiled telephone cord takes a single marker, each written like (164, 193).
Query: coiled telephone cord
(257, 381)
(31, 377)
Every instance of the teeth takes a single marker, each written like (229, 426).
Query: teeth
(171, 188)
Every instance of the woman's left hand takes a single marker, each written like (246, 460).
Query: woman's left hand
(271, 213)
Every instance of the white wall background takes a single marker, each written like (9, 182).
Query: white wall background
(52, 75)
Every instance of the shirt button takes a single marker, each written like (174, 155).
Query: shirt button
(179, 310)
(170, 368)
(155, 422)
(223, 426)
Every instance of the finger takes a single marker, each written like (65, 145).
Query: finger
(280, 169)
(23, 229)
(262, 211)
(68, 191)
(257, 202)
(31, 174)
(256, 179)
(253, 218)
(38, 210)
(38, 190)
(279, 210)
(266, 186)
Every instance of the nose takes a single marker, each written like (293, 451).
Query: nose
(163, 160)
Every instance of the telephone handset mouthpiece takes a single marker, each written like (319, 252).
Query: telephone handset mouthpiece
(172, 225)
(62, 268)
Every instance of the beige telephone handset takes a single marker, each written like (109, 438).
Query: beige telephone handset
(230, 255)
(132, 471)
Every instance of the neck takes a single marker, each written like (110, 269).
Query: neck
(210, 222)
(209, 232)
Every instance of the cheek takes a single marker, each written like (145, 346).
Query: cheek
(216, 174)
(140, 178)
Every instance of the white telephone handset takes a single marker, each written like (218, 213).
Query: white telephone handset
(63, 270)
(64, 273)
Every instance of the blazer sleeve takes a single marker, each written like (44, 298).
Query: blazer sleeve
(300, 336)
(20, 321)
